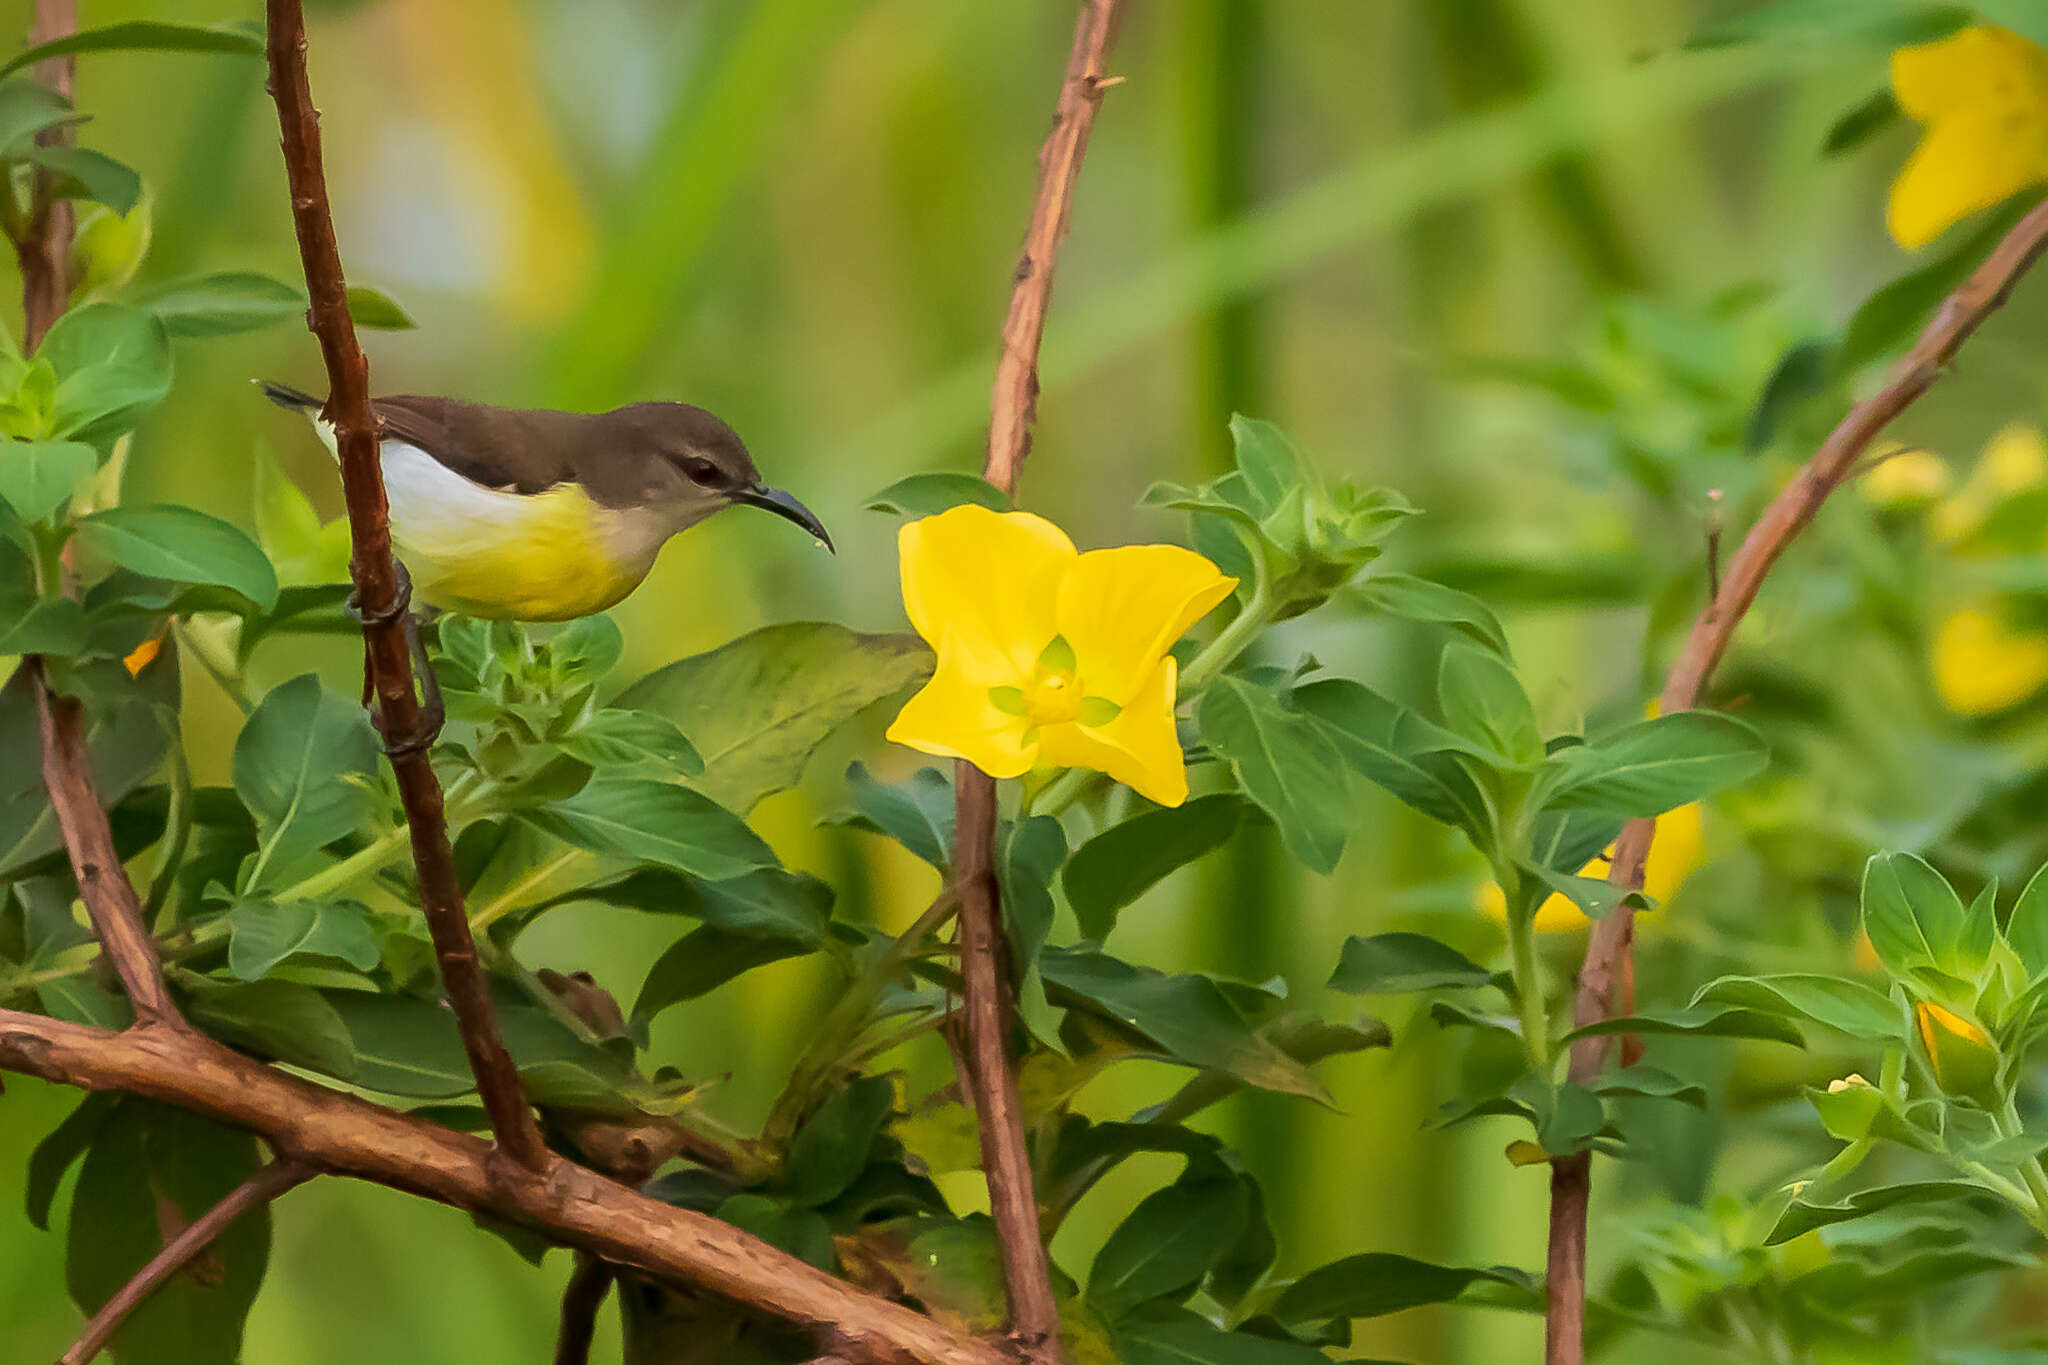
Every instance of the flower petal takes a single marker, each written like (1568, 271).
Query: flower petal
(1982, 665)
(1973, 67)
(985, 583)
(953, 717)
(1970, 160)
(1140, 748)
(1122, 610)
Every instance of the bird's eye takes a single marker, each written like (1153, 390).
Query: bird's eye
(703, 473)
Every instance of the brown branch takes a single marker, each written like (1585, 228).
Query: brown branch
(382, 598)
(267, 1184)
(990, 1076)
(585, 1293)
(103, 884)
(44, 249)
(1604, 981)
(335, 1133)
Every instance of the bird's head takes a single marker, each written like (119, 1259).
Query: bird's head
(701, 466)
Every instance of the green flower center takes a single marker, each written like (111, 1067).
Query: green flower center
(1054, 694)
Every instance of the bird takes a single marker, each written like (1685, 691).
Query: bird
(536, 515)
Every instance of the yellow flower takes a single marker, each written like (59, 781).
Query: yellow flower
(1906, 478)
(2014, 461)
(1983, 96)
(1982, 665)
(1048, 656)
(1674, 853)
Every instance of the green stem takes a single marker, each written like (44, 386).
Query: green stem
(463, 793)
(157, 909)
(2009, 1125)
(509, 899)
(843, 1023)
(221, 668)
(1234, 638)
(1063, 791)
(1528, 973)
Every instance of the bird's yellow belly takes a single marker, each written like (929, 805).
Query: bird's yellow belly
(532, 557)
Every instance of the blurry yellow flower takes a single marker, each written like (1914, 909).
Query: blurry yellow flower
(1983, 97)
(2014, 460)
(1674, 853)
(1982, 665)
(1910, 478)
(1960, 1054)
(1048, 656)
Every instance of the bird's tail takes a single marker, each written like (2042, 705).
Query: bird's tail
(287, 397)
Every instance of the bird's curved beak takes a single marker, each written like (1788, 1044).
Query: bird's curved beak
(788, 508)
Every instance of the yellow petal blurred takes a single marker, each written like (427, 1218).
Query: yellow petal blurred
(953, 717)
(984, 584)
(1981, 665)
(1674, 854)
(1123, 609)
(1966, 162)
(2014, 460)
(1972, 67)
(1140, 748)
(1911, 478)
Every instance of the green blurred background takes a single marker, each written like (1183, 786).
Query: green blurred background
(803, 214)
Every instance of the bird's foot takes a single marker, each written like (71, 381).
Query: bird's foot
(431, 714)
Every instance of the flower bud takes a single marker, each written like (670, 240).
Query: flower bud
(1962, 1057)
(1848, 1108)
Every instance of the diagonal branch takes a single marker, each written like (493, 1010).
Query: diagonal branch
(339, 1134)
(989, 1075)
(383, 597)
(1604, 982)
(585, 1293)
(260, 1188)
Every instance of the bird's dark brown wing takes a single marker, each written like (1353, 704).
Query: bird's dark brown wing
(526, 451)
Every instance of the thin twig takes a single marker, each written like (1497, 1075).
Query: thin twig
(989, 1074)
(382, 599)
(44, 248)
(585, 1293)
(1605, 982)
(267, 1184)
(337, 1133)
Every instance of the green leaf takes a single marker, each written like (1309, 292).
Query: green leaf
(222, 303)
(126, 748)
(1397, 963)
(1167, 1244)
(1804, 373)
(37, 478)
(1802, 1217)
(1884, 23)
(60, 1150)
(1189, 1017)
(1656, 765)
(1419, 599)
(616, 738)
(1701, 1021)
(151, 1170)
(1862, 121)
(917, 814)
(51, 626)
(833, 1146)
(1648, 1083)
(265, 933)
(1397, 749)
(1126, 860)
(27, 107)
(1846, 1006)
(1285, 762)
(1483, 702)
(770, 903)
(376, 310)
(1375, 1283)
(2027, 930)
(1917, 922)
(924, 495)
(409, 1046)
(1030, 855)
(182, 545)
(283, 1020)
(142, 36)
(705, 959)
(1267, 459)
(301, 766)
(802, 1233)
(758, 708)
(1890, 318)
(112, 363)
(82, 173)
(656, 822)
(1595, 895)
(1184, 1338)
